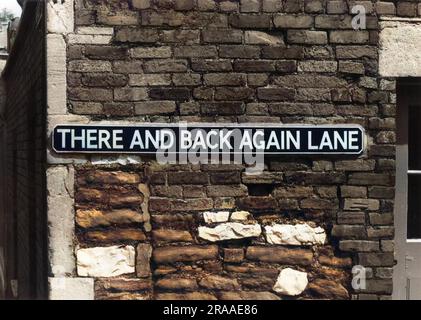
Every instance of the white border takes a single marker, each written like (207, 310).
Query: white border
(222, 125)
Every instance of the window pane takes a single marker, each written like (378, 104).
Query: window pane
(414, 137)
(414, 207)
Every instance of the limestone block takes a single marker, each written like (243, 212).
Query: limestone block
(56, 73)
(240, 216)
(291, 282)
(60, 16)
(216, 217)
(105, 261)
(296, 235)
(71, 288)
(230, 231)
(400, 49)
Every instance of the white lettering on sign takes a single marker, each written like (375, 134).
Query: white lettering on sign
(151, 139)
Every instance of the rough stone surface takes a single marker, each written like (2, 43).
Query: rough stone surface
(399, 54)
(291, 282)
(300, 234)
(71, 288)
(230, 231)
(216, 217)
(105, 261)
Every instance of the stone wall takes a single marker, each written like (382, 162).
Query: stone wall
(212, 232)
(23, 145)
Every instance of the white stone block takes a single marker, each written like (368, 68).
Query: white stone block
(216, 217)
(71, 288)
(296, 235)
(56, 74)
(61, 234)
(400, 49)
(60, 16)
(240, 216)
(291, 282)
(105, 261)
(230, 231)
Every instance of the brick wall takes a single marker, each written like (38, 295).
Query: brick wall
(23, 159)
(236, 61)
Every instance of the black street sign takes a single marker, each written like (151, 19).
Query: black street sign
(151, 138)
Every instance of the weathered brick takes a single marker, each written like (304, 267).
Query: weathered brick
(276, 52)
(379, 179)
(361, 204)
(130, 94)
(151, 52)
(184, 254)
(155, 107)
(233, 255)
(118, 18)
(280, 255)
(195, 52)
(164, 235)
(250, 21)
(406, 9)
(239, 51)
(186, 37)
(353, 192)
(149, 79)
(186, 79)
(104, 80)
(163, 65)
(118, 109)
(222, 36)
(187, 178)
(359, 246)
(337, 7)
(351, 67)
(91, 94)
(249, 5)
(376, 259)
(89, 66)
(317, 66)
(224, 79)
(275, 94)
(349, 232)
(254, 65)
(137, 35)
(106, 52)
(227, 191)
(263, 38)
(128, 67)
(385, 8)
(257, 203)
(350, 37)
(286, 21)
(315, 178)
(211, 65)
(202, 204)
(355, 165)
(307, 37)
(184, 5)
(351, 218)
(222, 108)
(178, 94)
